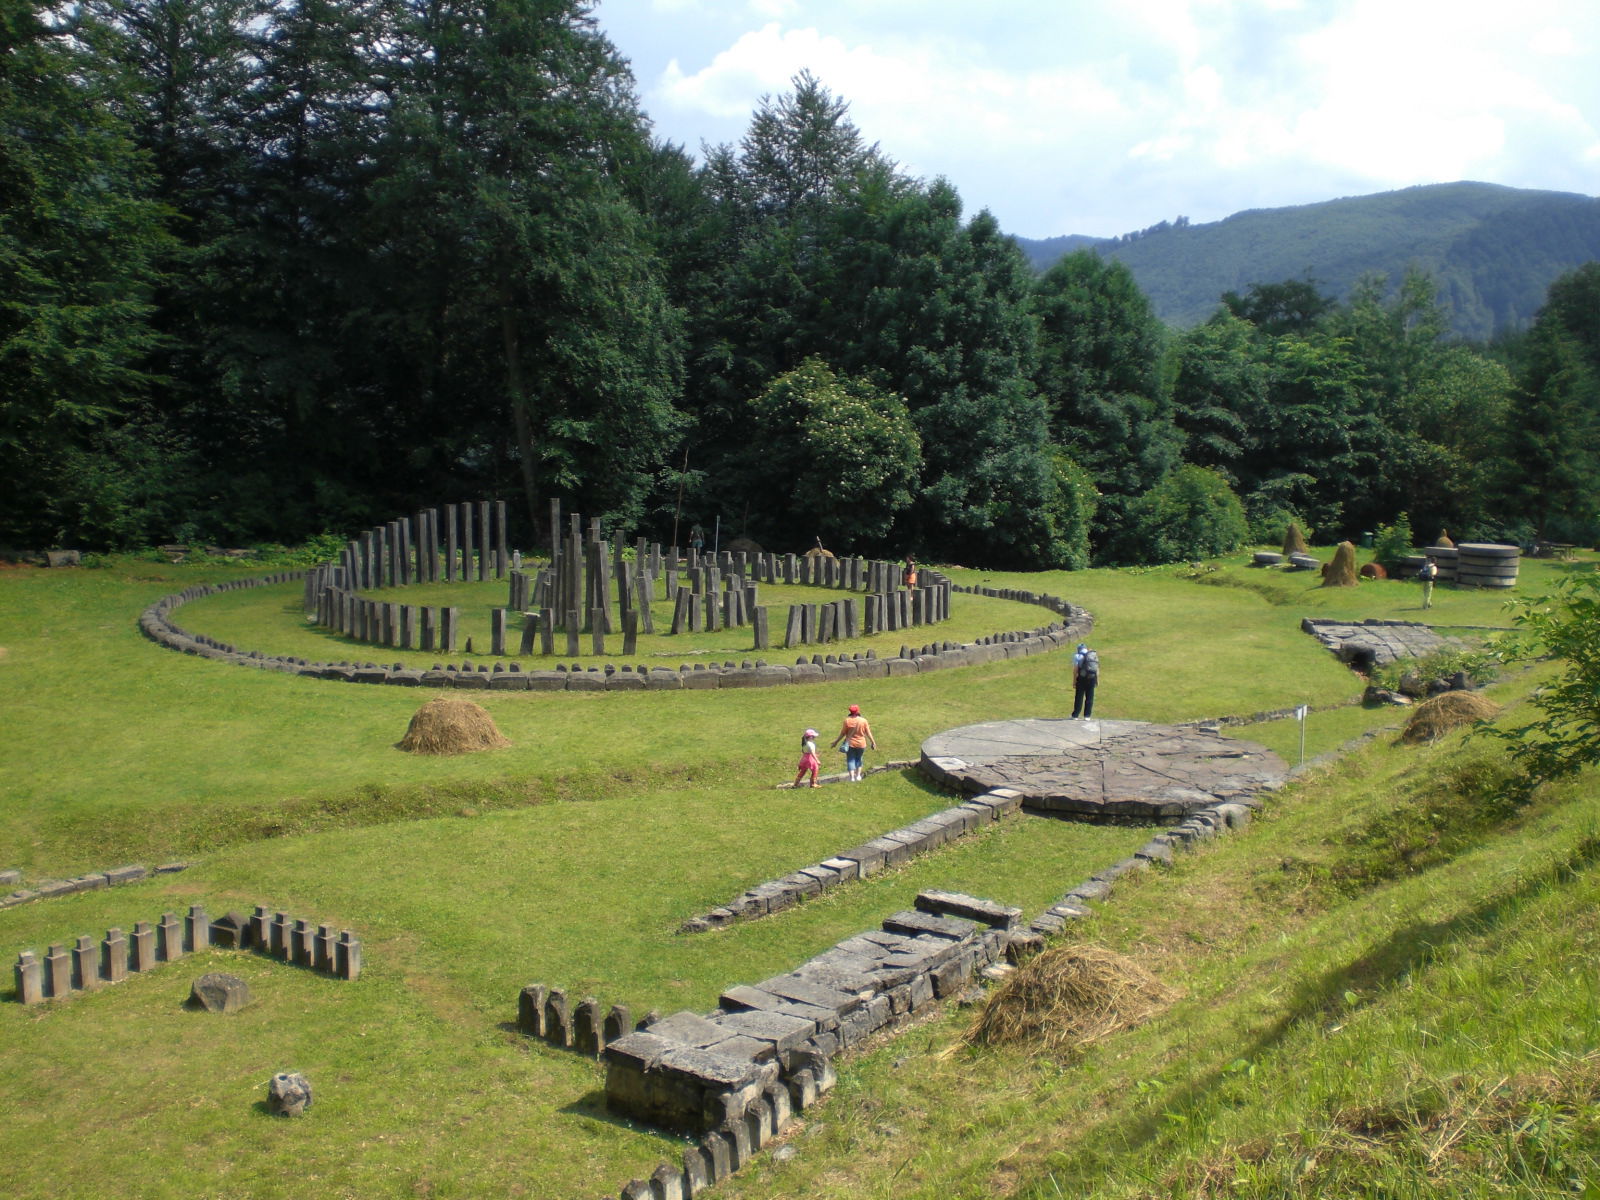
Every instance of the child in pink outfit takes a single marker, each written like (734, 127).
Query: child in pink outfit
(808, 758)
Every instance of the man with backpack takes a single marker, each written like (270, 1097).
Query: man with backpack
(1428, 573)
(1085, 676)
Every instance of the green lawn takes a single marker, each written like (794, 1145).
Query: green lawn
(571, 857)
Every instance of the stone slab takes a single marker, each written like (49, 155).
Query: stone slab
(1123, 770)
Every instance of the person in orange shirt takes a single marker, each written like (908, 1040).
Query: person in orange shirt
(856, 735)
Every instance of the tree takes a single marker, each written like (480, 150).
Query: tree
(879, 276)
(1219, 396)
(1292, 306)
(801, 151)
(1192, 513)
(1564, 623)
(1553, 442)
(80, 240)
(1100, 349)
(839, 459)
(532, 331)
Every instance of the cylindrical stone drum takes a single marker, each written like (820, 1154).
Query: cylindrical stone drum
(1482, 564)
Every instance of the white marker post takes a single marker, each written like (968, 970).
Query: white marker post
(1300, 715)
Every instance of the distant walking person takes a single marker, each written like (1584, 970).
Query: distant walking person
(911, 572)
(855, 735)
(1085, 678)
(809, 762)
(1428, 573)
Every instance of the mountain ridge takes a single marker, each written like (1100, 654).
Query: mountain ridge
(1492, 250)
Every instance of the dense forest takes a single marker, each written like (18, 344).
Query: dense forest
(275, 267)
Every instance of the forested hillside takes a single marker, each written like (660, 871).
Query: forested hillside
(269, 270)
(1492, 251)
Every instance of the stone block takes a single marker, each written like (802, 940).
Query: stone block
(196, 929)
(802, 1090)
(587, 1034)
(114, 957)
(558, 1018)
(896, 847)
(618, 1023)
(687, 1028)
(815, 990)
(347, 956)
(777, 1096)
(869, 859)
(720, 1154)
(530, 1009)
(143, 943)
(169, 938)
(697, 1170)
(218, 992)
(782, 1031)
(740, 1147)
(667, 1183)
(846, 868)
(912, 922)
(128, 874)
(758, 1118)
(30, 978)
(85, 964)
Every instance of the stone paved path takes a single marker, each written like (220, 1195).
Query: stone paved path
(1375, 643)
(1102, 770)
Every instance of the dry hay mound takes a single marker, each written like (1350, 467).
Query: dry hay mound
(448, 726)
(1432, 719)
(1341, 572)
(1444, 539)
(1066, 998)
(1294, 541)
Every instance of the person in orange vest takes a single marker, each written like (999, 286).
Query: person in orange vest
(855, 735)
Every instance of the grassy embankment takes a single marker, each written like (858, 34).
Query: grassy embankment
(572, 856)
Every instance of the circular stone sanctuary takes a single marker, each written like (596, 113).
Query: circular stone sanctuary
(1102, 770)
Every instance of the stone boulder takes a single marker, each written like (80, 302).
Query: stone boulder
(217, 992)
(289, 1094)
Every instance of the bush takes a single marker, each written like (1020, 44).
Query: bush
(1392, 543)
(1565, 624)
(1481, 667)
(1192, 513)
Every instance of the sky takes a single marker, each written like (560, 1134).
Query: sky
(1066, 116)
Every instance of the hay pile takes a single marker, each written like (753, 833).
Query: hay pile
(1432, 719)
(448, 726)
(1066, 998)
(1341, 572)
(1443, 539)
(1294, 541)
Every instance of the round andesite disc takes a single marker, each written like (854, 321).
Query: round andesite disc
(1102, 769)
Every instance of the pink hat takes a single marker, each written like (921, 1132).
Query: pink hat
(855, 710)
(811, 733)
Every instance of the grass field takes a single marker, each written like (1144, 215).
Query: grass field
(571, 857)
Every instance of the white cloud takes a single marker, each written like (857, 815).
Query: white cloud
(1099, 119)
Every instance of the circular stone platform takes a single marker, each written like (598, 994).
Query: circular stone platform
(1102, 770)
